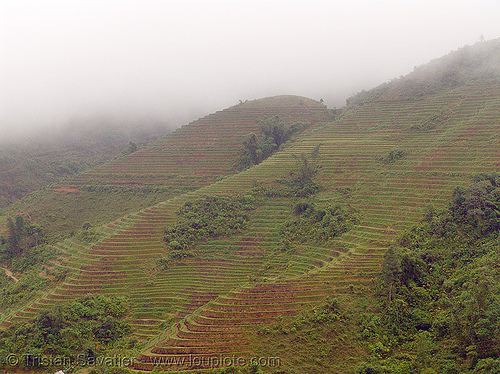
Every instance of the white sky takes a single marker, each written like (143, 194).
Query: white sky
(176, 60)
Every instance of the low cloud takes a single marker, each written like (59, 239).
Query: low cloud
(173, 61)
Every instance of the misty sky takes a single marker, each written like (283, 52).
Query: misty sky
(176, 60)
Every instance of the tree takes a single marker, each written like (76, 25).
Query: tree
(16, 231)
(273, 134)
(391, 271)
(273, 129)
(22, 236)
(250, 148)
(302, 183)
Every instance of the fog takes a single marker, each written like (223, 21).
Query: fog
(173, 61)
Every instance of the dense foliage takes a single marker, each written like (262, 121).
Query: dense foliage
(440, 288)
(317, 223)
(273, 133)
(393, 156)
(209, 217)
(300, 182)
(31, 272)
(22, 236)
(82, 328)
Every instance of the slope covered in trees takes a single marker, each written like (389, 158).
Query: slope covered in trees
(439, 287)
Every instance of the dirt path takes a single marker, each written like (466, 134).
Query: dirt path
(65, 189)
(9, 274)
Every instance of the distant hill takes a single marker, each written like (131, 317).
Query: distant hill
(476, 64)
(29, 164)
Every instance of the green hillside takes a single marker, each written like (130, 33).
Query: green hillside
(391, 153)
(193, 156)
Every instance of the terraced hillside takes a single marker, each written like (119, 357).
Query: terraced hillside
(203, 151)
(388, 155)
(389, 196)
(193, 156)
(207, 305)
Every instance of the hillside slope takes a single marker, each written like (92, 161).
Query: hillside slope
(439, 152)
(193, 156)
(30, 164)
(389, 156)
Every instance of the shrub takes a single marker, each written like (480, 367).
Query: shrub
(300, 182)
(439, 289)
(319, 224)
(392, 156)
(273, 134)
(69, 330)
(22, 236)
(208, 217)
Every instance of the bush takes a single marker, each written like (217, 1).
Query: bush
(439, 290)
(22, 236)
(394, 155)
(273, 134)
(488, 366)
(69, 330)
(208, 217)
(300, 182)
(319, 224)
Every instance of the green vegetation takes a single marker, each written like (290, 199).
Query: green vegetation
(393, 156)
(88, 234)
(13, 294)
(317, 223)
(189, 158)
(22, 236)
(471, 64)
(82, 329)
(34, 163)
(300, 182)
(34, 261)
(24, 252)
(325, 339)
(273, 134)
(244, 369)
(209, 217)
(433, 309)
(439, 291)
(62, 214)
(432, 122)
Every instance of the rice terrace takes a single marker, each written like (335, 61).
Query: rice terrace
(274, 236)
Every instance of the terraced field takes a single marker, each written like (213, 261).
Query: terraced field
(203, 151)
(207, 306)
(191, 157)
(389, 197)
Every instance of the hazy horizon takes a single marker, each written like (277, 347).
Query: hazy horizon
(172, 61)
